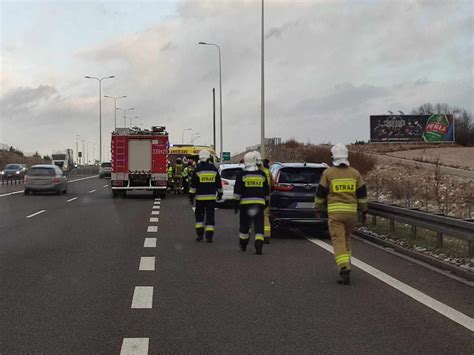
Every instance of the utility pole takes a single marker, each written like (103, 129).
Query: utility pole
(214, 115)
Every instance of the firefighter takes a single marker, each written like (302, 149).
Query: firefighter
(251, 197)
(170, 176)
(205, 183)
(345, 191)
(185, 177)
(178, 178)
(264, 165)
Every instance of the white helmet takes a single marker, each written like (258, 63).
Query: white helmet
(250, 161)
(340, 154)
(204, 155)
(259, 158)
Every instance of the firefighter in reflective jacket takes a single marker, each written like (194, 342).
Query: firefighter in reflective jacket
(170, 172)
(251, 196)
(205, 183)
(263, 165)
(345, 191)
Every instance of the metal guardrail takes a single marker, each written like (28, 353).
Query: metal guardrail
(442, 224)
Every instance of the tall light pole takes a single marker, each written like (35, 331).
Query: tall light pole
(100, 108)
(194, 136)
(182, 134)
(125, 114)
(220, 94)
(262, 109)
(115, 98)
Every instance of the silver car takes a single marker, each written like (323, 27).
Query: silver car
(43, 178)
(105, 170)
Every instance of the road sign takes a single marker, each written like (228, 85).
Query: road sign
(226, 156)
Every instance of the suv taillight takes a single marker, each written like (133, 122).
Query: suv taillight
(55, 179)
(282, 187)
(225, 182)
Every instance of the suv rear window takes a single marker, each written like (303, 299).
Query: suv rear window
(300, 175)
(41, 172)
(231, 173)
(106, 165)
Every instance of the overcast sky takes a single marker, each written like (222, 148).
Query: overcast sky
(329, 65)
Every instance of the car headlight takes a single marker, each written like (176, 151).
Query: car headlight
(17, 172)
(1, 173)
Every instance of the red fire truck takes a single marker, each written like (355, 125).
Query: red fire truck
(139, 160)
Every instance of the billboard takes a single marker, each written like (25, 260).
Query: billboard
(412, 128)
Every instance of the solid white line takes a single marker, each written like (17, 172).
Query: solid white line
(35, 214)
(69, 181)
(152, 229)
(155, 213)
(156, 207)
(92, 191)
(135, 346)
(154, 219)
(142, 297)
(106, 185)
(72, 199)
(419, 296)
(150, 243)
(147, 263)
(12, 193)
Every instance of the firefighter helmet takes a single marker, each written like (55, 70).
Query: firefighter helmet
(340, 155)
(250, 161)
(204, 155)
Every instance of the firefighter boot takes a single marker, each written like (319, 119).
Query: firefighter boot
(243, 244)
(344, 277)
(258, 247)
(200, 234)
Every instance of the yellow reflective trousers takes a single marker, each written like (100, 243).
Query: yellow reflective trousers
(340, 229)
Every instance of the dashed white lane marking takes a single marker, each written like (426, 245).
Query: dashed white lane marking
(194, 209)
(156, 207)
(154, 219)
(72, 199)
(419, 296)
(35, 214)
(92, 191)
(155, 213)
(12, 193)
(157, 199)
(135, 346)
(147, 263)
(150, 243)
(142, 297)
(157, 203)
(89, 177)
(106, 185)
(152, 229)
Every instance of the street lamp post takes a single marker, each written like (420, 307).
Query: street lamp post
(125, 114)
(220, 94)
(100, 108)
(115, 98)
(182, 134)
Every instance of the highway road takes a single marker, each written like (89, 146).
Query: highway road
(84, 273)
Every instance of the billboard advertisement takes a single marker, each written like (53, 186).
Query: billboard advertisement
(412, 128)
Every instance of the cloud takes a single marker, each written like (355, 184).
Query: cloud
(328, 66)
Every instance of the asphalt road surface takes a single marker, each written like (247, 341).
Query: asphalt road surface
(84, 273)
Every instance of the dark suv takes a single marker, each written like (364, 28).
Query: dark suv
(293, 194)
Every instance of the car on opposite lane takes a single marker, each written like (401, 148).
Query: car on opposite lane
(105, 170)
(292, 199)
(14, 171)
(228, 173)
(45, 178)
